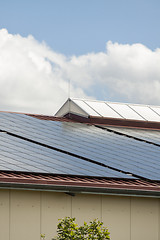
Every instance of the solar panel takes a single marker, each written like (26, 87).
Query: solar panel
(116, 151)
(20, 155)
(152, 136)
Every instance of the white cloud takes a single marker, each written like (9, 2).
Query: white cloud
(34, 78)
(31, 76)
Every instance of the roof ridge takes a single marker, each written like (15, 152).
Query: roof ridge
(125, 103)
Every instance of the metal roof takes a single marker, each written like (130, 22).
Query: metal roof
(73, 184)
(119, 110)
(103, 109)
(106, 153)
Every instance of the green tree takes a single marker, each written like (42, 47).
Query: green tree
(67, 229)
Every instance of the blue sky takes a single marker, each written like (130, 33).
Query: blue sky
(76, 27)
(107, 50)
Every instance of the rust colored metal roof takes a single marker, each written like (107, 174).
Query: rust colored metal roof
(115, 122)
(91, 182)
(51, 118)
(101, 121)
(44, 117)
(96, 120)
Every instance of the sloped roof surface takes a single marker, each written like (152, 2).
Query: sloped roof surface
(82, 182)
(21, 155)
(33, 145)
(152, 136)
(108, 153)
(119, 110)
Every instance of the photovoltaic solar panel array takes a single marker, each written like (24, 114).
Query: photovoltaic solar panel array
(20, 155)
(152, 136)
(119, 110)
(73, 149)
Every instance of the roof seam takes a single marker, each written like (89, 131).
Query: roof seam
(154, 111)
(92, 108)
(126, 135)
(73, 154)
(136, 112)
(114, 110)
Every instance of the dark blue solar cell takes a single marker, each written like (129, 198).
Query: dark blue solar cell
(19, 154)
(116, 151)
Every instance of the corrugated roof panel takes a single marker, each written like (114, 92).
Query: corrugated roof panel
(116, 151)
(102, 184)
(103, 109)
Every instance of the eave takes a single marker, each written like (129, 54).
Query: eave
(79, 184)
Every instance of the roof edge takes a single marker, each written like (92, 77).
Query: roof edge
(114, 122)
(72, 190)
(96, 185)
